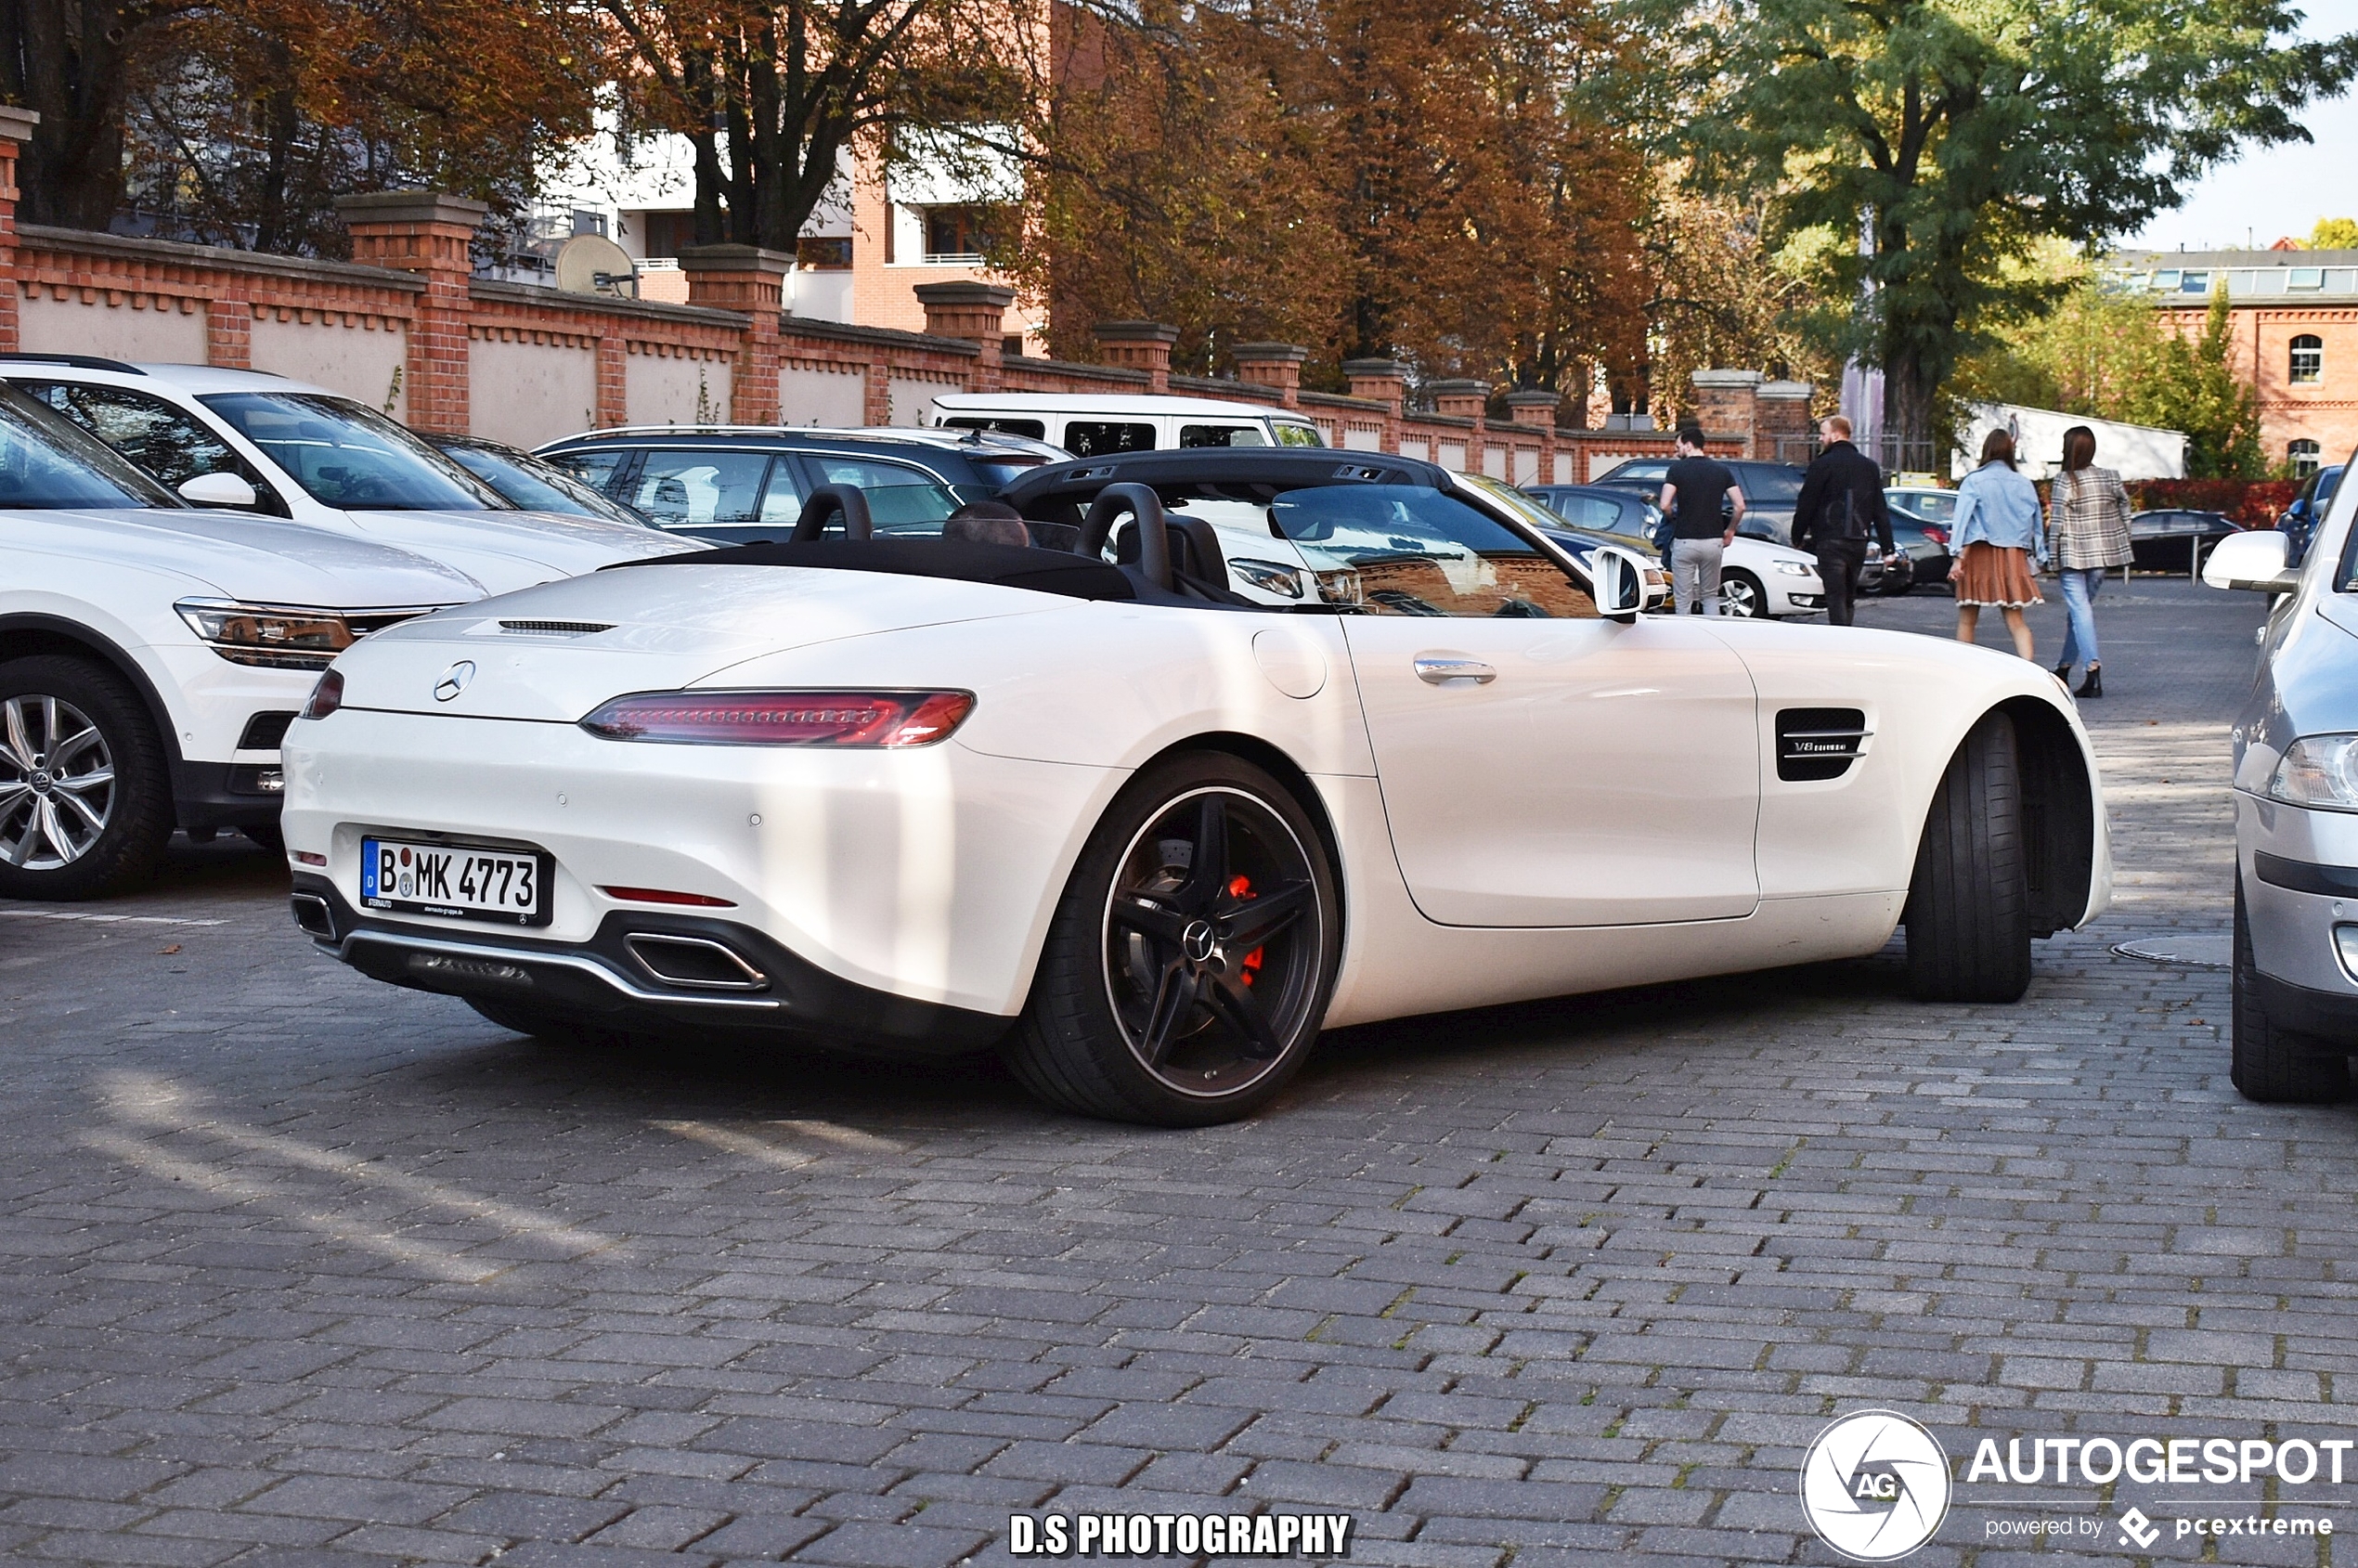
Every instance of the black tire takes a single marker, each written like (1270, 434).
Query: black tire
(86, 788)
(549, 1027)
(2270, 1064)
(1742, 596)
(1968, 911)
(268, 834)
(1146, 1007)
(1898, 579)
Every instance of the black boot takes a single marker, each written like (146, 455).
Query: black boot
(2062, 673)
(2094, 685)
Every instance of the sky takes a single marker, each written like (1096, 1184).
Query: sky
(2274, 191)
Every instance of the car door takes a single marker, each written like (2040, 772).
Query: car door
(711, 493)
(1540, 766)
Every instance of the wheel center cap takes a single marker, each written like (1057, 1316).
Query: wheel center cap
(41, 781)
(1199, 943)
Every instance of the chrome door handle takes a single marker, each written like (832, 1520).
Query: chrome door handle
(1439, 669)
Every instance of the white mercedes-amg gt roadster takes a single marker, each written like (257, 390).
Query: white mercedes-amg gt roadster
(1083, 801)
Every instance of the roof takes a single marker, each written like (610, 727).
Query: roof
(1138, 405)
(974, 442)
(2183, 279)
(1277, 467)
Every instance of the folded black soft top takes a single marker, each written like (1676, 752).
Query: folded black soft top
(1043, 571)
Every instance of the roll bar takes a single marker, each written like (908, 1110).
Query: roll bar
(1138, 501)
(825, 502)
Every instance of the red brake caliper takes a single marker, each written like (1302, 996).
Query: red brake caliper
(1241, 888)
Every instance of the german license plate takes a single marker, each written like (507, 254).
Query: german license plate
(507, 886)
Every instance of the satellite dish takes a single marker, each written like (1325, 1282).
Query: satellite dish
(591, 263)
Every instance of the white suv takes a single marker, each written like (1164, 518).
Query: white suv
(151, 655)
(244, 439)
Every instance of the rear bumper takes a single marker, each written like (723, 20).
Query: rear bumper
(748, 982)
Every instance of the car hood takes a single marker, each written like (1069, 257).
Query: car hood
(554, 652)
(238, 556)
(506, 551)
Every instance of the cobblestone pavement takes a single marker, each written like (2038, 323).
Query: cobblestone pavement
(302, 1269)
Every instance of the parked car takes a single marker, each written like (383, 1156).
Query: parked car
(1919, 524)
(2295, 793)
(1090, 425)
(2167, 537)
(151, 654)
(1757, 577)
(1770, 489)
(728, 800)
(533, 483)
(733, 484)
(282, 448)
(2301, 519)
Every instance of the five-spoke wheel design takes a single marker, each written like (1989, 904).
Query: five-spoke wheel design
(56, 783)
(1187, 966)
(1740, 595)
(1212, 947)
(85, 793)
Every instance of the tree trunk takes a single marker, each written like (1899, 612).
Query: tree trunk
(64, 61)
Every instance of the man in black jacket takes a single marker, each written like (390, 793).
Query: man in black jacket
(1841, 503)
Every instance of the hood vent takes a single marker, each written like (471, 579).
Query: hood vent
(555, 628)
(1819, 743)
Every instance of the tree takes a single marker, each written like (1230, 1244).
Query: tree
(251, 116)
(1720, 297)
(771, 93)
(1927, 143)
(2335, 234)
(71, 62)
(2107, 353)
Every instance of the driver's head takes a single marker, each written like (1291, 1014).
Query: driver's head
(987, 523)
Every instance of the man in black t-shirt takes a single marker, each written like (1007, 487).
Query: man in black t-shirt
(1693, 493)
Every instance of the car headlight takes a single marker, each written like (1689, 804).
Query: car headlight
(1795, 569)
(1269, 577)
(2320, 771)
(272, 636)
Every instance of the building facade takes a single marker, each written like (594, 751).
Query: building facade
(2295, 335)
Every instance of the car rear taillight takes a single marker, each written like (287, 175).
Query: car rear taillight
(326, 697)
(1938, 535)
(846, 718)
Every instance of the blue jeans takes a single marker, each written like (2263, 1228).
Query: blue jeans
(2080, 632)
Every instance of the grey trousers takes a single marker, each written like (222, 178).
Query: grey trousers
(1694, 575)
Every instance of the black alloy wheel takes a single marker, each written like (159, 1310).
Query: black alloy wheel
(1188, 965)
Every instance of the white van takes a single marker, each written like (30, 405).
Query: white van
(1093, 425)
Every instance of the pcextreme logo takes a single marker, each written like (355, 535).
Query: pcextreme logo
(1874, 1485)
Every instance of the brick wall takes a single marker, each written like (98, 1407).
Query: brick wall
(407, 328)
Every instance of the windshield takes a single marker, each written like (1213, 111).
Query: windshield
(538, 485)
(1290, 433)
(347, 456)
(1407, 549)
(1928, 509)
(47, 462)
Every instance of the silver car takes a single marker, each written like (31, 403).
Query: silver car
(2296, 779)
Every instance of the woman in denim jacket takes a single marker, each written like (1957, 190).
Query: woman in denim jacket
(1999, 533)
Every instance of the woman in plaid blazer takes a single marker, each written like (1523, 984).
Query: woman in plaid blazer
(2087, 531)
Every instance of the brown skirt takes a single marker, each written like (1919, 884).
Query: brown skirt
(1996, 576)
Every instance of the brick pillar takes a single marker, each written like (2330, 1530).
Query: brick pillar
(1459, 399)
(16, 129)
(1728, 404)
(751, 281)
(1275, 364)
(1784, 412)
(419, 232)
(614, 381)
(975, 313)
(228, 333)
(1138, 346)
(1533, 408)
(1384, 381)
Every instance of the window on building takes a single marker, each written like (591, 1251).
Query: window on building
(2308, 360)
(2305, 278)
(2166, 280)
(2194, 282)
(667, 234)
(2305, 457)
(823, 254)
(958, 234)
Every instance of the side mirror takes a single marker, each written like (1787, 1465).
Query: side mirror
(2256, 559)
(1617, 579)
(219, 489)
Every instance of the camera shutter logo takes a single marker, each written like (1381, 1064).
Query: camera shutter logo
(1874, 1485)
